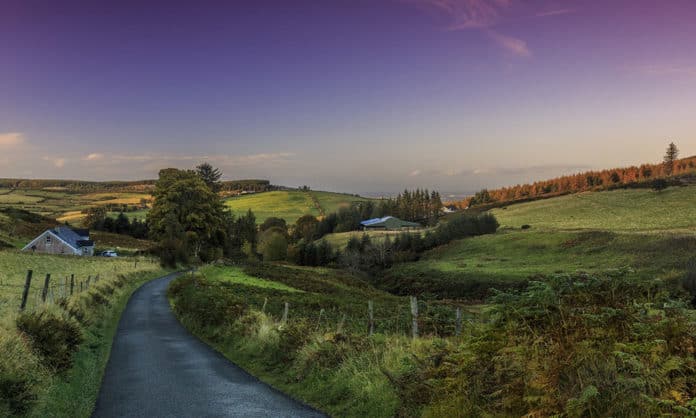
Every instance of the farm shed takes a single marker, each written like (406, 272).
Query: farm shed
(389, 223)
(62, 240)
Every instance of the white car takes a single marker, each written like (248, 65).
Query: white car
(109, 253)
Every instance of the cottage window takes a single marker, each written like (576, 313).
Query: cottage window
(48, 240)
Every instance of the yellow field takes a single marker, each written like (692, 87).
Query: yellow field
(73, 216)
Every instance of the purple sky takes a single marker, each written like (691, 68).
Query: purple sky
(359, 96)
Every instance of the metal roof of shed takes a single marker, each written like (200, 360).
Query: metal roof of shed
(389, 222)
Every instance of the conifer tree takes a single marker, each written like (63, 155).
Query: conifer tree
(670, 157)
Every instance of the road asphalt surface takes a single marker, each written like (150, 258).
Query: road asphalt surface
(158, 369)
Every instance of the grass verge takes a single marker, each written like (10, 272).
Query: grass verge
(45, 389)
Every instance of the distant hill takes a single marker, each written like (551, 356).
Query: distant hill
(136, 186)
(615, 178)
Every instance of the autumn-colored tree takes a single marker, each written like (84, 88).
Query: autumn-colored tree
(589, 180)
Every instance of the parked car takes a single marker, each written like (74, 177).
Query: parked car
(109, 253)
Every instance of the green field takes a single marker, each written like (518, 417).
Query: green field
(332, 202)
(14, 265)
(236, 275)
(340, 239)
(620, 210)
(466, 268)
(647, 231)
(289, 204)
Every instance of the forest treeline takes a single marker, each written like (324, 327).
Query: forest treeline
(634, 176)
(80, 186)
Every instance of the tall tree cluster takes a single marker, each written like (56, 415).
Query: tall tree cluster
(413, 205)
(189, 221)
(97, 218)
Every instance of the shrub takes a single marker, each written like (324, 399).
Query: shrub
(204, 306)
(688, 282)
(610, 345)
(273, 246)
(20, 375)
(292, 336)
(526, 226)
(53, 337)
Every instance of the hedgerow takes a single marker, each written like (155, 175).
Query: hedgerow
(569, 345)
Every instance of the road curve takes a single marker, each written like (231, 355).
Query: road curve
(158, 369)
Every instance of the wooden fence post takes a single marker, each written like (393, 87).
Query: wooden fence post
(341, 324)
(25, 293)
(414, 316)
(265, 302)
(321, 314)
(72, 283)
(285, 313)
(45, 288)
(458, 322)
(80, 286)
(89, 278)
(371, 314)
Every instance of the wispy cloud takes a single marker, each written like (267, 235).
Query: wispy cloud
(414, 173)
(467, 14)
(10, 139)
(668, 70)
(228, 159)
(512, 45)
(57, 162)
(556, 12)
(94, 156)
(481, 15)
(518, 171)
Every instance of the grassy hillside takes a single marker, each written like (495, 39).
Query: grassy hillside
(14, 266)
(645, 230)
(331, 202)
(469, 268)
(619, 210)
(289, 204)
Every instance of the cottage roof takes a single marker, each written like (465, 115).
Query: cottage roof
(74, 237)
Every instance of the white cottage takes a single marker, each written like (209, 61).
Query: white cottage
(62, 240)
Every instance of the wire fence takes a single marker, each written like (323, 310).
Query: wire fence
(39, 292)
(418, 318)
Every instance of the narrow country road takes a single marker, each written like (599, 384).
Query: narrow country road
(158, 369)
